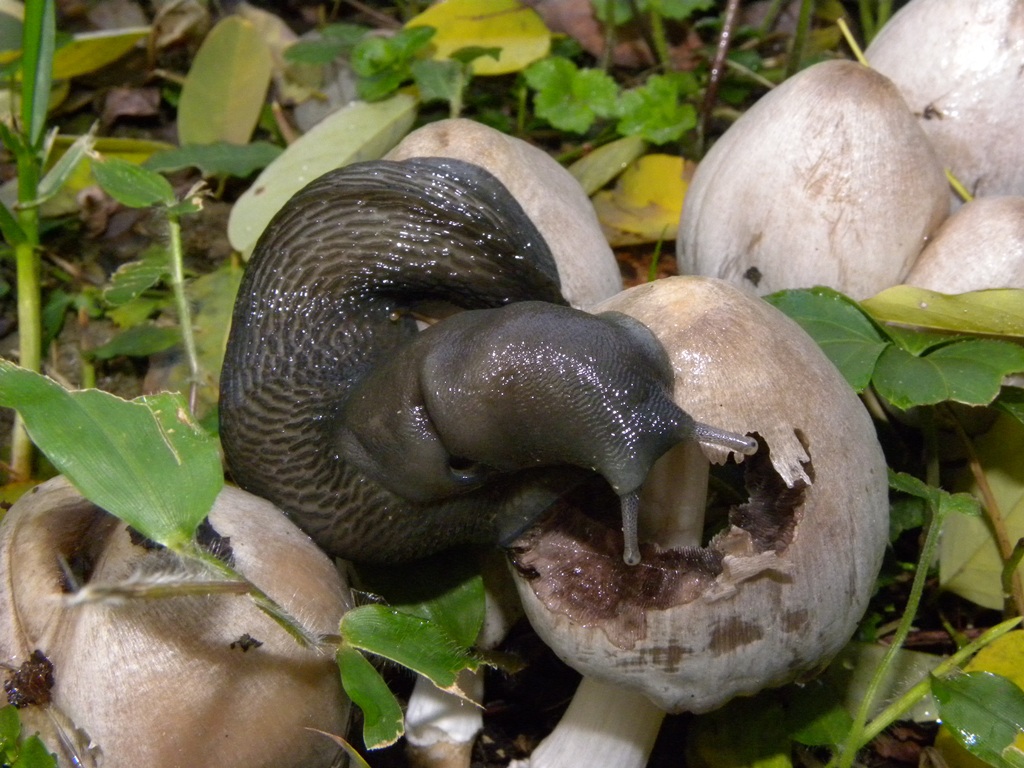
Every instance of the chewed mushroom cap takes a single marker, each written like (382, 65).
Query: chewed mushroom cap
(780, 591)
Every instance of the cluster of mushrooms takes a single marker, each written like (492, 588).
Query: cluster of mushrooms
(827, 173)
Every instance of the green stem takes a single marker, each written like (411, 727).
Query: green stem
(894, 711)
(660, 41)
(30, 333)
(803, 27)
(854, 739)
(184, 311)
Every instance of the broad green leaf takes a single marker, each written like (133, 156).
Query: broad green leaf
(983, 711)
(357, 132)
(384, 63)
(217, 159)
(139, 341)
(89, 51)
(132, 185)
(383, 722)
(655, 110)
(714, 741)
(34, 754)
(10, 726)
(414, 642)
(569, 98)
(439, 80)
(996, 312)
(848, 338)
(37, 67)
(518, 31)
(446, 590)
(143, 461)
(1011, 400)
(61, 171)
(226, 87)
(646, 202)
(969, 371)
(132, 279)
(969, 562)
(597, 168)
(942, 502)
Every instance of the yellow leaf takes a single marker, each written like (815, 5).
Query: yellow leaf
(597, 168)
(226, 87)
(90, 51)
(969, 562)
(506, 24)
(998, 312)
(1005, 657)
(646, 202)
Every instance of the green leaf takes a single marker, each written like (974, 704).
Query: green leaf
(655, 111)
(414, 642)
(89, 51)
(336, 40)
(439, 80)
(131, 184)
(61, 171)
(55, 309)
(34, 755)
(38, 41)
(217, 159)
(984, 711)
(846, 336)
(226, 87)
(446, 590)
(143, 461)
(597, 168)
(12, 231)
(139, 341)
(997, 312)
(357, 132)
(10, 727)
(969, 371)
(1011, 400)
(132, 279)
(383, 63)
(680, 10)
(569, 98)
(383, 723)
(942, 502)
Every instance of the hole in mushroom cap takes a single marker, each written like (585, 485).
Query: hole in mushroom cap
(573, 557)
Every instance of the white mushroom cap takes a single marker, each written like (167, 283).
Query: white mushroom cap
(156, 682)
(957, 63)
(826, 180)
(551, 197)
(762, 604)
(980, 246)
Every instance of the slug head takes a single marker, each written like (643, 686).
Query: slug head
(525, 386)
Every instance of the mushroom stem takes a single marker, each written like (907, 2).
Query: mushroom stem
(440, 727)
(604, 725)
(674, 497)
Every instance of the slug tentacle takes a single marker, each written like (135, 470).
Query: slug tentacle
(387, 443)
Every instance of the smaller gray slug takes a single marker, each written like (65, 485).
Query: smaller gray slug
(387, 443)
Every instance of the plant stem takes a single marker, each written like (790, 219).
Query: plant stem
(855, 737)
(184, 311)
(803, 26)
(892, 713)
(717, 71)
(30, 335)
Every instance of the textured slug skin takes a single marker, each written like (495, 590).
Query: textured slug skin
(385, 443)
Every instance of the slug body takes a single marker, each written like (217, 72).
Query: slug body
(387, 443)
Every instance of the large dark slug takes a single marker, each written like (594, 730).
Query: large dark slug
(386, 443)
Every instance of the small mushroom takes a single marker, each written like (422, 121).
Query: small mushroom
(957, 64)
(826, 180)
(980, 246)
(771, 597)
(173, 681)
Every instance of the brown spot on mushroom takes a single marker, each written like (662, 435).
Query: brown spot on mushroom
(795, 621)
(733, 633)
